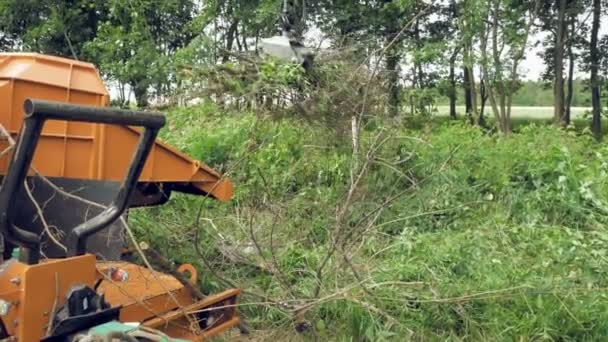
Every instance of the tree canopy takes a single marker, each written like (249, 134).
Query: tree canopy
(425, 50)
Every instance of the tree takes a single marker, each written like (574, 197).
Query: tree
(483, 97)
(384, 20)
(238, 25)
(471, 21)
(565, 21)
(452, 80)
(596, 123)
(508, 26)
(468, 89)
(6, 42)
(558, 62)
(446, 38)
(54, 26)
(389, 28)
(136, 45)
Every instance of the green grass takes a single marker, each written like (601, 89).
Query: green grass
(535, 93)
(520, 112)
(542, 116)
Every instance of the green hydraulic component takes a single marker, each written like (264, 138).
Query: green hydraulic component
(109, 328)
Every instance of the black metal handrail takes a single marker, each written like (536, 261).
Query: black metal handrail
(36, 113)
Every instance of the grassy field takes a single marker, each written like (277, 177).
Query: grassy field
(524, 112)
(474, 237)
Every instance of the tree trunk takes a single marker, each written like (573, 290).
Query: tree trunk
(245, 46)
(392, 66)
(596, 123)
(417, 64)
(140, 90)
(483, 94)
(517, 57)
(412, 106)
(237, 40)
(486, 74)
(230, 36)
(453, 85)
(558, 62)
(468, 95)
(500, 91)
(474, 113)
(570, 93)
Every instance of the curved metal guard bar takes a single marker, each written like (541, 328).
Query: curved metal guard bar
(36, 113)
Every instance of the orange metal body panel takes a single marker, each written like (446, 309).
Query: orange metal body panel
(174, 322)
(144, 297)
(32, 292)
(35, 290)
(144, 294)
(85, 150)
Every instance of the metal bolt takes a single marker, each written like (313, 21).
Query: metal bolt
(4, 307)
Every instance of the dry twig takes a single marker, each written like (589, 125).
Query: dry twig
(28, 191)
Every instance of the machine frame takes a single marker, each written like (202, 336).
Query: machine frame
(56, 299)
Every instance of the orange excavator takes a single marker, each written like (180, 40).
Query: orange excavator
(71, 168)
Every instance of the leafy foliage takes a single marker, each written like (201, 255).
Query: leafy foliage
(56, 27)
(135, 46)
